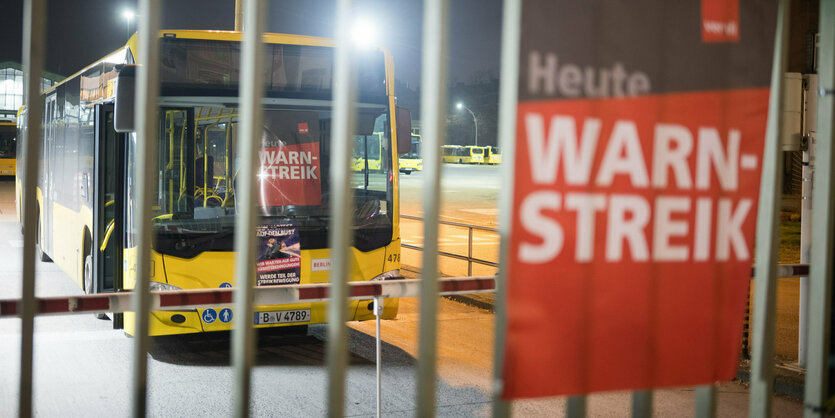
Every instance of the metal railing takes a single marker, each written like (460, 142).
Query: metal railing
(469, 257)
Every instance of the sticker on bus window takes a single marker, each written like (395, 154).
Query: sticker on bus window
(279, 254)
(290, 175)
(290, 171)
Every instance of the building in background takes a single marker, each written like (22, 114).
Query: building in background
(11, 87)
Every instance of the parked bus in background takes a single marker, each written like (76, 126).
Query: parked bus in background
(87, 183)
(411, 161)
(492, 155)
(8, 147)
(469, 154)
(368, 154)
(451, 153)
(475, 153)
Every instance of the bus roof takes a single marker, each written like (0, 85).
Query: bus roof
(132, 46)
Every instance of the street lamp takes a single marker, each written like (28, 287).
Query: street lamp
(364, 33)
(128, 15)
(475, 121)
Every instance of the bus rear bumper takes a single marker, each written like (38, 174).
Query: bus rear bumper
(221, 319)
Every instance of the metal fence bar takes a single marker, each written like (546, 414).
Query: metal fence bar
(146, 150)
(810, 102)
(820, 276)
(455, 256)
(469, 252)
(378, 352)
(34, 47)
(460, 224)
(433, 113)
(344, 111)
(706, 401)
(642, 404)
(765, 293)
(575, 406)
(469, 258)
(508, 95)
(250, 98)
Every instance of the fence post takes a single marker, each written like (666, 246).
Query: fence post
(433, 113)
(34, 46)
(339, 237)
(508, 94)
(705, 401)
(251, 114)
(820, 272)
(642, 404)
(762, 366)
(147, 85)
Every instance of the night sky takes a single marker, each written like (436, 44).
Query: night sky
(82, 31)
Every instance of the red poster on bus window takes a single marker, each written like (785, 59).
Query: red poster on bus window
(290, 175)
(638, 161)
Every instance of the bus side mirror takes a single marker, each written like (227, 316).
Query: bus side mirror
(123, 113)
(404, 130)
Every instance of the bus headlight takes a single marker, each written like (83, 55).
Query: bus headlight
(163, 286)
(389, 275)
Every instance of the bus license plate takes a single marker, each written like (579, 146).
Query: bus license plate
(282, 317)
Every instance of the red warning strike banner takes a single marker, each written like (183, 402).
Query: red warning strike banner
(290, 175)
(634, 202)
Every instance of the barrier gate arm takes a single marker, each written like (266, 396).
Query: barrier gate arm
(264, 295)
(276, 295)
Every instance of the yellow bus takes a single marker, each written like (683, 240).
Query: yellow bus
(469, 154)
(451, 153)
(473, 154)
(411, 161)
(87, 184)
(492, 155)
(368, 152)
(8, 148)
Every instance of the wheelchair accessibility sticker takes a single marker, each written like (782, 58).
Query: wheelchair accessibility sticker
(209, 315)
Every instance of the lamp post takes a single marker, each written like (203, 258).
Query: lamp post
(475, 121)
(128, 15)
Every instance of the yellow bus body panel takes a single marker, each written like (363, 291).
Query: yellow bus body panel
(211, 269)
(8, 166)
(68, 253)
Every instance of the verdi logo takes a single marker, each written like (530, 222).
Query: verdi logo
(720, 20)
